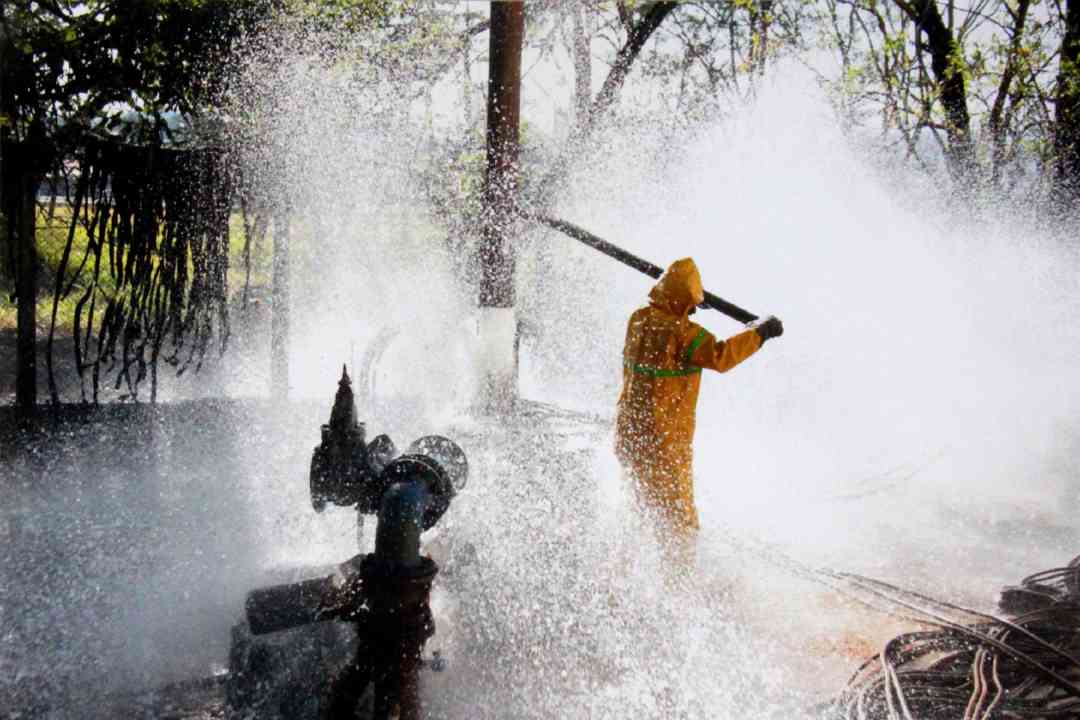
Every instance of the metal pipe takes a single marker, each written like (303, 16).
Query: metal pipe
(336, 596)
(401, 515)
(281, 607)
(630, 260)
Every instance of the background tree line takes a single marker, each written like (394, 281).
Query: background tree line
(984, 95)
(988, 89)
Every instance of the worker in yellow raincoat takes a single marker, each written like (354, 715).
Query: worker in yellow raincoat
(663, 358)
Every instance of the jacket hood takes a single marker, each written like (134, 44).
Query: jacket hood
(679, 289)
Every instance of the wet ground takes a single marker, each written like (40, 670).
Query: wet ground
(120, 589)
(201, 699)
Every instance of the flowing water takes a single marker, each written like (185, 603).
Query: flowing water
(917, 423)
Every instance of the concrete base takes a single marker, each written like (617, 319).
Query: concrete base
(497, 359)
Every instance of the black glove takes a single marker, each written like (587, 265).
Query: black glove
(770, 327)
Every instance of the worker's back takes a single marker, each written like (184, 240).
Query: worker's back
(663, 357)
(660, 389)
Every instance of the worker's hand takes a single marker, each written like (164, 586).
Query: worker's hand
(770, 327)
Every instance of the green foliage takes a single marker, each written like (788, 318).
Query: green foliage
(52, 236)
(1006, 54)
(72, 65)
(348, 15)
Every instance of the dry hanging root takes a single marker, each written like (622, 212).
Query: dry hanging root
(152, 282)
(976, 668)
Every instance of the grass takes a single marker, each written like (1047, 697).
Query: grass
(52, 234)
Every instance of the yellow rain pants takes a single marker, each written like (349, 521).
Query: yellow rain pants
(662, 362)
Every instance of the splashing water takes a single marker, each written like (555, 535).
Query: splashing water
(916, 422)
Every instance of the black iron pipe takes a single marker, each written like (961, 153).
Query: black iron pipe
(281, 607)
(336, 596)
(397, 544)
(401, 520)
(400, 581)
(630, 260)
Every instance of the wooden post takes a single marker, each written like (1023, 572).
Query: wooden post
(497, 323)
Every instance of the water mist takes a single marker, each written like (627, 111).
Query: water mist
(916, 422)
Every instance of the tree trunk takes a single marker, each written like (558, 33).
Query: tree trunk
(637, 35)
(998, 118)
(582, 68)
(760, 19)
(944, 62)
(1067, 114)
(279, 309)
(496, 300)
(19, 163)
(20, 186)
(636, 38)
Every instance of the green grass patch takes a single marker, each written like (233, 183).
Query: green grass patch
(53, 228)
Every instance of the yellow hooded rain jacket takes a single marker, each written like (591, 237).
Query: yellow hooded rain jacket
(662, 362)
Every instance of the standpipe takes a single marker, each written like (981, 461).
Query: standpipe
(384, 594)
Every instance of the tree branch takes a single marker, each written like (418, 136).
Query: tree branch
(639, 34)
(637, 37)
(950, 79)
(997, 130)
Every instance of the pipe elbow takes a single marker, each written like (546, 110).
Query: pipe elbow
(401, 516)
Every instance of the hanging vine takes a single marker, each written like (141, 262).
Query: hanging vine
(152, 281)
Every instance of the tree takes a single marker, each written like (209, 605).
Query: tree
(998, 121)
(1067, 117)
(947, 63)
(980, 88)
(73, 69)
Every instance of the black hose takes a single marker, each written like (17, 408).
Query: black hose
(630, 260)
(1023, 667)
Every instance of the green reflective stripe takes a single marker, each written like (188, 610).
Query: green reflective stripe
(661, 372)
(695, 345)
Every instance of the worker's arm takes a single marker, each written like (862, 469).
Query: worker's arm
(705, 351)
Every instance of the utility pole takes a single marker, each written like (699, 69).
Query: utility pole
(498, 325)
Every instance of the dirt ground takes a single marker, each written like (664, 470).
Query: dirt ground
(248, 347)
(63, 369)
